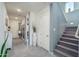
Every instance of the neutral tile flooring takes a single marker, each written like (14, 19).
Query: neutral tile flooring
(21, 50)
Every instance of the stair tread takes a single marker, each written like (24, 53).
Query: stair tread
(71, 27)
(69, 31)
(69, 34)
(69, 38)
(69, 43)
(68, 48)
(62, 53)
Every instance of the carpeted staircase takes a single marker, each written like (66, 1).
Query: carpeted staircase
(68, 43)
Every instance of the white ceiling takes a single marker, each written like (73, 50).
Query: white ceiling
(24, 6)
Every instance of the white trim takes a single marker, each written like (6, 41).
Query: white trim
(52, 54)
(76, 34)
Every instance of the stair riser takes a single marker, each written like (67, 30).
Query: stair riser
(71, 28)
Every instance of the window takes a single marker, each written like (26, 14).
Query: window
(69, 7)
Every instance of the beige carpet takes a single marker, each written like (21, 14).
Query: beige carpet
(21, 50)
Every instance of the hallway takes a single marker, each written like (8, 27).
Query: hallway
(43, 24)
(20, 50)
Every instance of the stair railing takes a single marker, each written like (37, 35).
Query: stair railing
(77, 32)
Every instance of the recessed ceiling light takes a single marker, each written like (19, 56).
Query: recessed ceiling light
(19, 10)
(16, 17)
(71, 23)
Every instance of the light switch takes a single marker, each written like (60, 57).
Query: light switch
(54, 29)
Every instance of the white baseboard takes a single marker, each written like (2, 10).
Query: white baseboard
(52, 54)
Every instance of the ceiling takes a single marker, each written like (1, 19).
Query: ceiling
(24, 6)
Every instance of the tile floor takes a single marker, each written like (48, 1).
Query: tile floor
(21, 50)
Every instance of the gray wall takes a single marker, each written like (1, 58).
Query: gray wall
(73, 17)
(76, 5)
(62, 5)
(57, 21)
